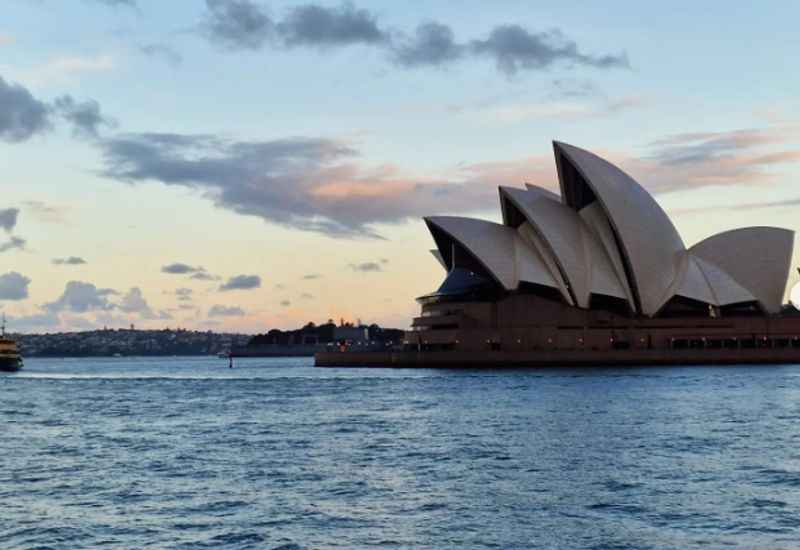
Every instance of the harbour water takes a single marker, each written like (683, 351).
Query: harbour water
(186, 453)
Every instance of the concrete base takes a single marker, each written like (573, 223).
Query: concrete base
(589, 358)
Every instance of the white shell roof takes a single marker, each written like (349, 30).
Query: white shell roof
(532, 238)
(693, 284)
(649, 244)
(605, 235)
(578, 253)
(757, 258)
(597, 224)
(726, 290)
(704, 282)
(498, 248)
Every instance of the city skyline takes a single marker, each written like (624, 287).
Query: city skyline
(241, 165)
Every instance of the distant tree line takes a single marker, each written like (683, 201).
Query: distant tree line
(323, 334)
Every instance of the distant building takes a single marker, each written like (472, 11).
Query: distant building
(351, 334)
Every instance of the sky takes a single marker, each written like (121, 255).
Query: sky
(240, 165)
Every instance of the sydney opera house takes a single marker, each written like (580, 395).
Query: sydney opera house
(597, 275)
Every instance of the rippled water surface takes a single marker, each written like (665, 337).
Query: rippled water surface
(182, 452)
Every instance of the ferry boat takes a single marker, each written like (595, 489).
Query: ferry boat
(10, 359)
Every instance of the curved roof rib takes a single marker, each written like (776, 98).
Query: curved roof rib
(532, 238)
(578, 254)
(597, 224)
(498, 248)
(543, 191)
(757, 258)
(648, 243)
(726, 290)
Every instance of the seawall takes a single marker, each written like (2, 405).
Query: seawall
(455, 359)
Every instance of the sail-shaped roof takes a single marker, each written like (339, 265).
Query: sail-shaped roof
(606, 236)
(500, 250)
(578, 253)
(757, 258)
(648, 243)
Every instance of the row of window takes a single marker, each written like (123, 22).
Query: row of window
(735, 343)
(675, 343)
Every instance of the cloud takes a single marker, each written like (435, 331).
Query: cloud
(311, 276)
(21, 115)
(514, 48)
(203, 276)
(13, 286)
(242, 24)
(365, 267)
(317, 184)
(184, 294)
(178, 268)
(237, 24)
(225, 311)
(433, 44)
(303, 183)
(164, 52)
(246, 25)
(306, 296)
(286, 303)
(71, 260)
(134, 302)
(690, 148)
(80, 297)
(241, 282)
(8, 219)
(85, 117)
(13, 243)
(37, 321)
(6, 39)
(313, 25)
(737, 157)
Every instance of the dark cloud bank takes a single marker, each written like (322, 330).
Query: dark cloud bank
(8, 219)
(247, 25)
(71, 260)
(13, 286)
(178, 268)
(294, 182)
(241, 282)
(23, 116)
